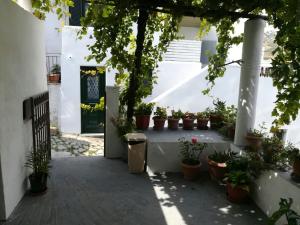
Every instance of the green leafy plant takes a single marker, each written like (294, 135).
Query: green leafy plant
(123, 127)
(38, 162)
(293, 153)
(222, 157)
(272, 149)
(219, 107)
(239, 179)
(285, 210)
(202, 115)
(97, 107)
(191, 150)
(255, 133)
(160, 112)
(55, 69)
(238, 163)
(176, 114)
(144, 109)
(188, 115)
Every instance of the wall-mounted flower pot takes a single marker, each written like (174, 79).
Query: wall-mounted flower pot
(296, 168)
(173, 123)
(54, 78)
(142, 122)
(216, 121)
(216, 170)
(237, 194)
(254, 142)
(202, 123)
(190, 172)
(188, 124)
(159, 123)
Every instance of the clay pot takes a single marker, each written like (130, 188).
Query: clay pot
(159, 123)
(142, 122)
(236, 194)
(202, 123)
(231, 132)
(216, 170)
(54, 78)
(190, 172)
(296, 167)
(216, 121)
(188, 124)
(173, 123)
(254, 142)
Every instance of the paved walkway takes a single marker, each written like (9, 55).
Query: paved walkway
(99, 191)
(67, 145)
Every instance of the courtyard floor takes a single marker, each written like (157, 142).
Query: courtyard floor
(96, 191)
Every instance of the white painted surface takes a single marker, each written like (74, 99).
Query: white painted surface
(53, 34)
(22, 75)
(249, 78)
(54, 102)
(73, 56)
(25, 4)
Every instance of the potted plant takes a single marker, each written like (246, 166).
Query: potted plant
(38, 162)
(173, 120)
(272, 147)
(188, 121)
(217, 164)
(202, 120)
(54, 76)
(142, 115)
(216, 115)
(190, 152)
(230, 115)
(238, 186)
(294, 157)
(160, 116)
(254, 138)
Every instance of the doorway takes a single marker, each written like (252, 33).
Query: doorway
(92, 85)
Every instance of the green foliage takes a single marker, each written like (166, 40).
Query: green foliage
(176, 114)
(188, 115)
(203, 115)
(144, 109)
(38, 162)
(292, 152)
(97, 107)
(272, 150)
(222, 157)
(161, 113)
(256, 133)
(219, 107)
(42, 7)
(123, 127)
(191, 150)
(240, 163)
(285, 210)
(55, 69)
(239, 178)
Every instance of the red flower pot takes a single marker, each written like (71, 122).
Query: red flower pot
(216, 121)
(159, 123)
(202, 123)
(142, 122)
(188, 124)
(216, 170)
(54, 78)
(236, 194)
(190, 172)
(173, 123)
(296, 167)
(254, 142)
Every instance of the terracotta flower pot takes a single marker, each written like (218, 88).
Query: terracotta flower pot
(236, 194)
(173, 123)
(202, 123)
(159, 123)
(216, 121)
(188, 124)
(296, 168)
(142, 122)
(190, 172)
(254, 142)
(216, 170)
(54, 78)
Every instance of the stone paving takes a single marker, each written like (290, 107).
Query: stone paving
(72, 145)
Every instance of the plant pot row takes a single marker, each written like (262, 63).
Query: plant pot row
(142, 123)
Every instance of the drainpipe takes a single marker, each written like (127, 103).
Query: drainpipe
(249, 78)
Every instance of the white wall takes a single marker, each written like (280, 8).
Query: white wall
(22, 74)
(54, 101)
(53, 34)
(74, 52)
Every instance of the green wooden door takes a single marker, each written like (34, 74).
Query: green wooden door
(92, 83)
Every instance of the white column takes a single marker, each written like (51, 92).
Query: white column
(249, 79)
(25, 4)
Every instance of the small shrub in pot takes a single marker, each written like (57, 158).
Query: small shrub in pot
(272, 148)
(254, 138)
(202, 120)
(190, 152)
(160, 116)
(216, 115)
(294, 158)
(188, 121)
(142, 115)
(54, 76)
(173, 120)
